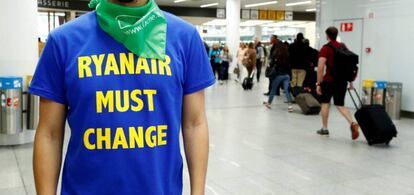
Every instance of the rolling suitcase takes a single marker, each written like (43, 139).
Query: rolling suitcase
(308, 104)
(375, 123)
(248, 82)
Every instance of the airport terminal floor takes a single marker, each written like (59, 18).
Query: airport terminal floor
(254, 150)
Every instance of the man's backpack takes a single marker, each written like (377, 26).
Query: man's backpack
(345, 67)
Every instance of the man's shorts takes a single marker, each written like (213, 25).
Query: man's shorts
(337, 90)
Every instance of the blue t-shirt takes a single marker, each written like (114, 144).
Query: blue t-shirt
(215, 55)
(124, 111)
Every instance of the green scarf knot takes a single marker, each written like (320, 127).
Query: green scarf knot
(141, 29)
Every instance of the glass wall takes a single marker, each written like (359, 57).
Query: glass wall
(47, 21)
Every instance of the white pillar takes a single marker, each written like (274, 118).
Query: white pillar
(257, 33)
(18, 37)
(233, 26)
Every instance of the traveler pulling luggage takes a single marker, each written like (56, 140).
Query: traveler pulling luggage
(375, 123)
(248, 82)
(308, 104)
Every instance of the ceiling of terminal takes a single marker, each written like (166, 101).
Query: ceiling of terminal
(280, 5)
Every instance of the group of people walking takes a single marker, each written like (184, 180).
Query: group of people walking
(220, 60)
(291, 67)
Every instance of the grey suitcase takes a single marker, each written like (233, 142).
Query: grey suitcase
(308, 104)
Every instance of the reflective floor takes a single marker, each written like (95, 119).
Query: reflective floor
(254, 151)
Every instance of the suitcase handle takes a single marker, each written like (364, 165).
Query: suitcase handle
(353, 99)
(252, 75)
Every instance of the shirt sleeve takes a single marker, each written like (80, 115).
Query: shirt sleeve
(48, 80)
(198, 72)
(324, 52)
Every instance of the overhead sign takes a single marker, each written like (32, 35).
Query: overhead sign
(245, 14)
(347, 27)
(53, 3)
(263, 14)
(280, 15)
(254, 14)
(221, 13)
(288, 15)
(271, 15)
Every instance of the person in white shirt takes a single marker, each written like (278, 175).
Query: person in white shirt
(240, 56)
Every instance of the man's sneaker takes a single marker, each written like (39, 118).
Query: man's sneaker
(323, 132)
(355, 131)
(266, 94)
(290, 108)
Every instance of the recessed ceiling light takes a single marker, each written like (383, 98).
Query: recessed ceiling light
(261, 4)
(209, 5)
(298, 3)
(311, 10)
(179, 1)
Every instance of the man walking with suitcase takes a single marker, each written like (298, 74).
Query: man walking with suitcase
(329, 86)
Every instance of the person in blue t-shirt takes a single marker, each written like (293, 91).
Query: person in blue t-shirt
(215, 60)
(127, 77)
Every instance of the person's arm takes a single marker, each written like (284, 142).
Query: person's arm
(321, 68)
(196, 140)
(47, 150)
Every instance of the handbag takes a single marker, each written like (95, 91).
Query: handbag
(267, 72)
(271, 71)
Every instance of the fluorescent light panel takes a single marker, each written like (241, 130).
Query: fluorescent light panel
(179, 1)
(209, 5)
(261, 4)
(311, 10)
(298, 3)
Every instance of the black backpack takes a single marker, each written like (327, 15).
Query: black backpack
(345, 67)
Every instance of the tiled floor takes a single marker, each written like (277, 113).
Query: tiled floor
(256, 151)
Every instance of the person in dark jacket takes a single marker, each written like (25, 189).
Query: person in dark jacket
(312, 61)
(276, 45)
(298, 56)
(281, 76)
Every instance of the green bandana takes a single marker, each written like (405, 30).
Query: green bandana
(142, 30)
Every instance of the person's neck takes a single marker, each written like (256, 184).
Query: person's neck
(133, 3)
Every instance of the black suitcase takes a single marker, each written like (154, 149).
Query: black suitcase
(375, 123)
(248, 82)
(308, 104)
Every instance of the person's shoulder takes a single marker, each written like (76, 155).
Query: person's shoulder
(81, 25)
